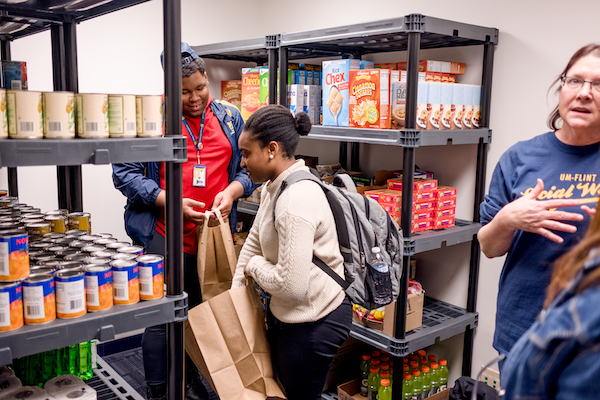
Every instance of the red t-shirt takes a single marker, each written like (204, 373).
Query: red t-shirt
(215, 155)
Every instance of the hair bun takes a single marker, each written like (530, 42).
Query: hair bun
(302, 123)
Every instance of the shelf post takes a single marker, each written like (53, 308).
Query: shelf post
(13, 187)
(486, 96)
(283, 76)
(174, 187)
(273, 47)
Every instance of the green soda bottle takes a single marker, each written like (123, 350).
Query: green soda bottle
(364, 373)
(72, 359)
(417, 386)
(435, 377)
(85, 361)
(443, 371)
(425, 381)
(373, 383)
(48, 370)
(385, 390)
(385, 375)
(407, 391)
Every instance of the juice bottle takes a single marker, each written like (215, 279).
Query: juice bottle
(407, 391)
(385, 390)
(425, 381)
(364, 373)
(443, 372)
(417, 386)
(373, 383)
(435, 377)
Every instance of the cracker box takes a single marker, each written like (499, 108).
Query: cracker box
(423, 215)
(445, 213)
(425, 206)
(369, 105)
(250, 91)
(442, 223)
(385, 196)
(336, 81)
(422, 225)
(14, 75)
(446, 192)
(296, 98)
(434, 98)
(443, 204)
(446, 106)
(231, 91)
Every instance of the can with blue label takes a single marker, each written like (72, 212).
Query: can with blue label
(11, 306)
(39, 303)
(98, 287)
(126, 285)
(70, 293)
(151, 271)
(14, 256)
(137, 250)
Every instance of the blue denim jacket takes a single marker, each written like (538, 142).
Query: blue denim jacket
(559, 356)
(140, 182)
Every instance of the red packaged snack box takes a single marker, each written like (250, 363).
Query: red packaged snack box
(448, 212)
(420, 226)
(419, 184)
(446, 192)
(422, 216)
(391, 208)
(441, 223)
(425, 195)
(385, 196)
(447, 203)
(425, 205)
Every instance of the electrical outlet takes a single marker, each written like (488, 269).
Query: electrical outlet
(491, 377)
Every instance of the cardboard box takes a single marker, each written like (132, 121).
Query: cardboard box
(231, 91)
(343, 366)
(336, 80)
(418, 185)
(14, 75)
(250, 91)
(264, 86)
(449, 67)
(351, 391)
(369, 102)
(414, 316)
(296, 98)
(310, 161)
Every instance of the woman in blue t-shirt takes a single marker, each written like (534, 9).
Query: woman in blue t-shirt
(537, 206)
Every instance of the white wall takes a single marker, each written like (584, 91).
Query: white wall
(119, 53)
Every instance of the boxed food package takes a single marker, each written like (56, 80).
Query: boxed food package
(250, 91)
(476, 118)
(441, 223)
(296, 98)
(449, 67)
(231, 91)
(422, 225)
(425, 205)
(446, 203)
(386, 65)
(445, 213)
(422, 97)
(446, 106)
(264, 86)
(458, 106)
(446, 192)
(336, 81)
(364, 64)
(385, 196)
(312, 102)
(369, 105)
(468, 106)
(434, 100)
(14, 75)
(418, 184)
(351, 391)
(414, 315)
(398, 105)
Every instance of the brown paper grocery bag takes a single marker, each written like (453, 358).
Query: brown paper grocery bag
(226, 338)
(216, 256)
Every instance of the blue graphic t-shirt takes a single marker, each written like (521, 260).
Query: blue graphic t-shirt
(568, 172)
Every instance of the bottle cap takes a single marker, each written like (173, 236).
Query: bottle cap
(405, 368)
(421, 353)
(433, 365)
(425, 369)
(407, 377)
(376, 249)
(385, 367)
(443, 362)
(431, 358)
(416, 372)
(385, 382)
(375, 361)
(414, 364)
(374, 370)
(366, 357)
(423, 361)
(385, 374)
(376, 353)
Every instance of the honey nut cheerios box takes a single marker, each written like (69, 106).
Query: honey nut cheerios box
(250, 91)
(369, 104)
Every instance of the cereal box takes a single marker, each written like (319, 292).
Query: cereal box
(422, 95)
(398, 104)
(296, 98)
(264, 86)
(434, 98)
(336, 80)
(446, 106)
(312, 102)
(364, 64)
(369, 105)
(476, 118)
(468, 106)
(386, 65)
(250, 91)
(231, 91)
(458, 106)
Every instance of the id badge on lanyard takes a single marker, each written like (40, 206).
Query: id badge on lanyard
(199, 170)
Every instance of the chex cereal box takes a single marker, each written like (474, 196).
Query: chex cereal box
(446, 192)
(364, 64)
(250, 91)
(336, 81)
(370, 98)
(231, 91)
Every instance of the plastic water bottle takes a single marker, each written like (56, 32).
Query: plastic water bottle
(380, 282)
(364, 373)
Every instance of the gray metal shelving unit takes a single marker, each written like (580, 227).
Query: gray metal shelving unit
(409, 33)
(109, 385)
(61, 17)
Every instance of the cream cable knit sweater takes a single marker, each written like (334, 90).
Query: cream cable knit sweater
(281, 260)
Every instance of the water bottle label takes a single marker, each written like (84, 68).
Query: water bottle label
(363, 387)
(442, 387)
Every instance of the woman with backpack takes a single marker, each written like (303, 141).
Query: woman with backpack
(309, 315)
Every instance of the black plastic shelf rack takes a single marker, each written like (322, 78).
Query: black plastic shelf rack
(101, 325)
(441, 321)
(30, 152)
(109, 385)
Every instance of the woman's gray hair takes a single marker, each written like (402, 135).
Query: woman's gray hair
(195, 65)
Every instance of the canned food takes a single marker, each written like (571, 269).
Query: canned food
(49, 263)
(104, 235)
(11, 306)
(58, 222)
(80, 221)
(77, 257)
(64, 241)
(70, 294)
(42, 269)
(126, 286)
(75, 232)
(92, 115)
(45, 258)
(89, 239)
(104, 254)
(39, 302)
(92, 248)
(7, 201)
(39, 246)
(98, 287)
(104, 241)
(54, 235)
(69, 265)
(137, 250)
(9, 225)
(59, 111)
(117, 245)
(148, 115)
(122, 115)
(58, 249)
(14, 256)
(78, 244)
(151, 273)
(124, 256)
(61, 211)
(38, 228)
(25, 119)
(70, 252)
(97, 260)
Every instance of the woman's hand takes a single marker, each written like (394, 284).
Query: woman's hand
(224, 202)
